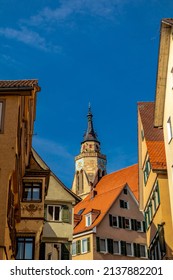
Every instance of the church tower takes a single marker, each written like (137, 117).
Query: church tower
(90, 164)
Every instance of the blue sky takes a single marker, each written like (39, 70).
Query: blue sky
(100, 51)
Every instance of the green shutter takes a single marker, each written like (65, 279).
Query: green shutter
(65, 214)
(78, 247)
(88, 244)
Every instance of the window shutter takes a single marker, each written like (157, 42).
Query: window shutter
(110, 245)
(123, 248)
(162, 240)
(134, 224)
(88, 244)
(144, 226)
(98, 244)
(123, 222)
(121, 203)
(110, 220)
(120, 222)
(65, 214)
(136, 250)
(78, 247)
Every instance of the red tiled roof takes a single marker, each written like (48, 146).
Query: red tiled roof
(18, 83)
(108, 189)
(153, 136)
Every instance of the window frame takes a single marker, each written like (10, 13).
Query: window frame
(88, 219)
(124, 204)
(25, 242)
(2, 115)
(32, 187)
(127, 225)
(105, 245)
(147, 170)
(54, 206)
(131, 248)
(169, 130)
(119, 248)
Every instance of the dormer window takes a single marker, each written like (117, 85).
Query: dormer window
(88, 219)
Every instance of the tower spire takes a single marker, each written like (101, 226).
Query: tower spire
(90, 134)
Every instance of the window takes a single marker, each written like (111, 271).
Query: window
(157, 249)
(53, 213)
(32, 191)
(124, 204)
(156, 196)
(116, 247)
(2, 105)
(81, 246)
(113, 221)
(88, 219)
(125, 190)
(81, 211)
(147, 170)
(127, 223)
(169, 130)
(74, 248)
(139, 250)
(84, 245)
(139, 226)
(103, 247)
(129, 249)
(142, 249)
(25, 248)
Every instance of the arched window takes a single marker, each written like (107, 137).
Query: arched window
(79, 182)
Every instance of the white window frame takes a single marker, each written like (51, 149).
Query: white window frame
(145, 248)
(119, 248)
(74, 248)
(117, 222)
(127, 219)
(141, 226)
(83, 245)
(88, 219)
(105, 242)
(125, 204)
(169, 130)
(132, 253)
(53, 219)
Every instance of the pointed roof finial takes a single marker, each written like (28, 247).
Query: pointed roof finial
(90, 134)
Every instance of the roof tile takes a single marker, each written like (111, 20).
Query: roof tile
(108, 189)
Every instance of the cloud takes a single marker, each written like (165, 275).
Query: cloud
(28, 37)
(103, 8)
(51, 148)
(57, 157)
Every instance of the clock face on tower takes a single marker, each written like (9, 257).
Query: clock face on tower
(79, 164)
